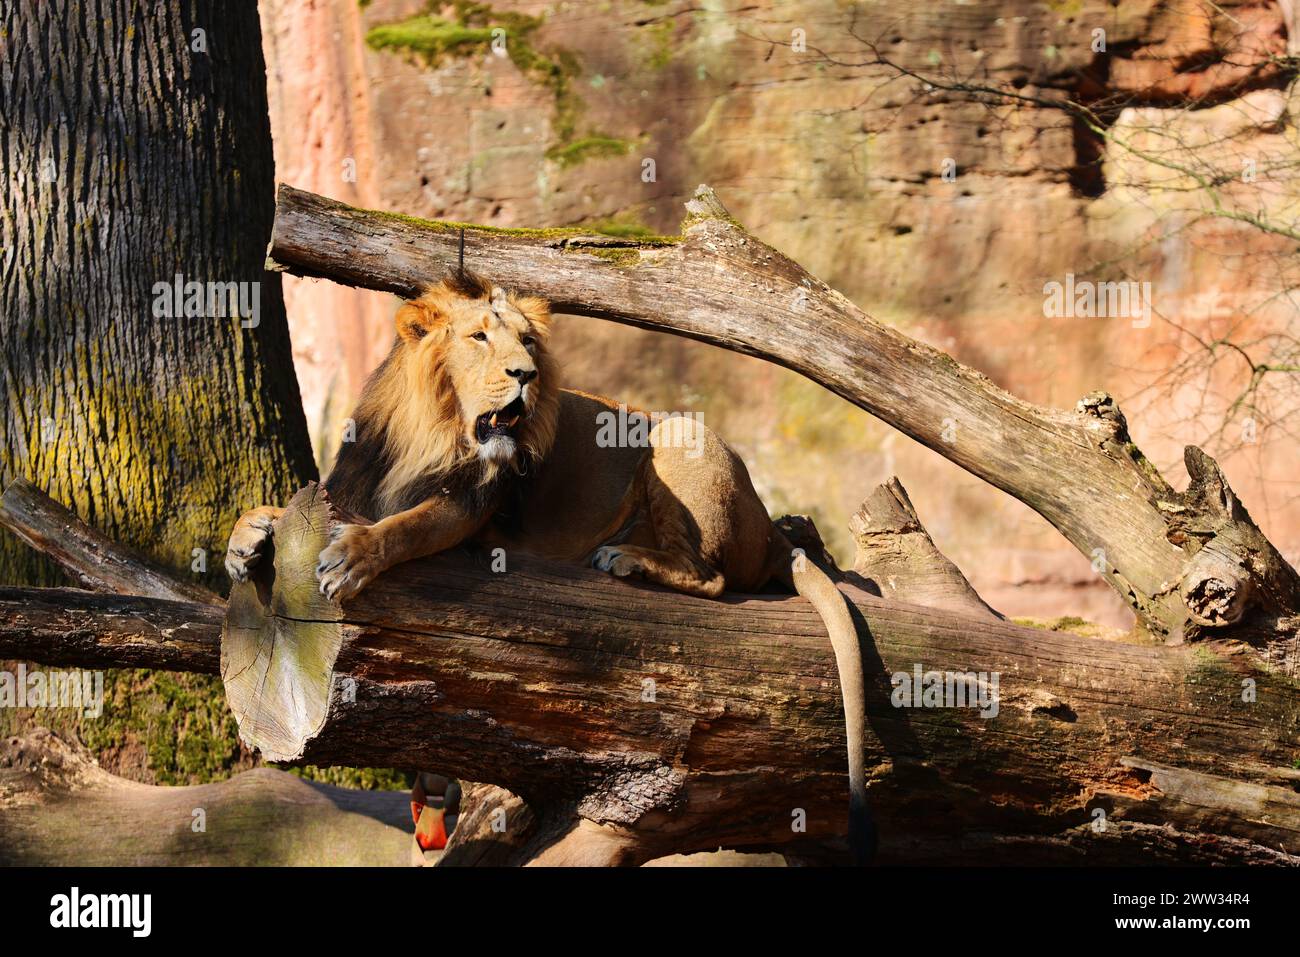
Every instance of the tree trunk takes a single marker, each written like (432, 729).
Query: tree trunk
(137, 145)
(637, 722)
(1078, 469)
(135, 158)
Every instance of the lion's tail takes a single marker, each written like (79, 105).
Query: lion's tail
(814, 584)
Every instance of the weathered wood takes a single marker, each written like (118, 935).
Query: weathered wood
(94, 560)
(896, 555)
(673, 724)
(64, 626)
(1078, 469)
(58, 809)
(492, 830)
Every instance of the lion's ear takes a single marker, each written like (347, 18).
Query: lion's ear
(415, 320)
(537, 311)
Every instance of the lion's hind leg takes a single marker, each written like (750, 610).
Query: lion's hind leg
(672, 547)
(679, 571)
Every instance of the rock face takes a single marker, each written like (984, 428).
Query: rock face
(857, 143)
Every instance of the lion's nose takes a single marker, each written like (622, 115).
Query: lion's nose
(524, 376)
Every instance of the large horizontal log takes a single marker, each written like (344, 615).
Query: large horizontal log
(717, 283)
(65, 626)
(670, 724)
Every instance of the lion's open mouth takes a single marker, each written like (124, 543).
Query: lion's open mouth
(501, 422)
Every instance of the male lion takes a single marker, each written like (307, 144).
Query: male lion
(463, 434)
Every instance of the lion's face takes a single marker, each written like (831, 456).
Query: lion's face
(470, 379)
(492, 358)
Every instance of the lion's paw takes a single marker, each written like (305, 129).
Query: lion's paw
(608, 558)
(248, 543)
(348, 563)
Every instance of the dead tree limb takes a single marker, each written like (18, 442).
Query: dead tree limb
(65, 626)
(95, 561)
(141, 617)
(640, 722)
(717, 283)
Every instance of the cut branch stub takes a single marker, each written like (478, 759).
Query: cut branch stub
(1234, 577)
(281, 637)
(897, 555)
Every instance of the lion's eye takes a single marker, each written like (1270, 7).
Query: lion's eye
(528, 342)
(480, 336)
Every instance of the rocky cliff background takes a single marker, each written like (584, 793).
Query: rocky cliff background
(853, 137)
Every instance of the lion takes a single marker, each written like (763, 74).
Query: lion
(463, 435)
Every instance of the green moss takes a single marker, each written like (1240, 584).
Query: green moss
(619, 257)
(588, 147)
(1074, 625)
(430, 37)
(1148, 469)
(523, 232)
(623, 228)
(661, 44)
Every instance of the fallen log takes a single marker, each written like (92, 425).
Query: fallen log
(717, 283)
(1162, 741)
(637, 722)
(58, 808)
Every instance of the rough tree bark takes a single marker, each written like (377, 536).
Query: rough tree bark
(1190, 564)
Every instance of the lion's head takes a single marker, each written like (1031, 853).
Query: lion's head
(469, 384)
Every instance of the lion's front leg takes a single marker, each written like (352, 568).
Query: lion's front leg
(248, 540)
(350, 562)
(357, 554)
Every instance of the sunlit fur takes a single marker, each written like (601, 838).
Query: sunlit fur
(438, 380)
